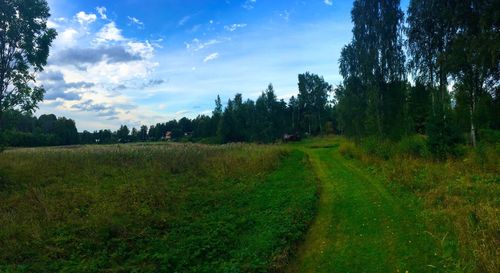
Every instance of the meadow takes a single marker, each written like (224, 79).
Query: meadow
(321, 205)
(153, 208)
(458, 198)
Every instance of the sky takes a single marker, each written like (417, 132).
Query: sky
(137, 62)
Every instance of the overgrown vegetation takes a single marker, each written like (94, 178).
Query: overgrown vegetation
(153, 208)
(459, 196)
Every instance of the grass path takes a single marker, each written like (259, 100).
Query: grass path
(360, 225)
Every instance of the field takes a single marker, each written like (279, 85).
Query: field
(458, 198)
(321, 205)
(153, 208)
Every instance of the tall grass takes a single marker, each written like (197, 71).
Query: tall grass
(459, 196)
(152, 208)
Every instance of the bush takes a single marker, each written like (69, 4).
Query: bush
(377, 147)
(487, 155)
(350, 150)
(415, 146)
(489, 136)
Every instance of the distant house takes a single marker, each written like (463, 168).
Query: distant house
(168, 136)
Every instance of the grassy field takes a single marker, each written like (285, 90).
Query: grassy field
(153, 208)
(383, 207)
(458, 199)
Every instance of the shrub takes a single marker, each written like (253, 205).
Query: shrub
(378, 147)
(350, 150)
(486, 155)
(489, 136)
(415, 146)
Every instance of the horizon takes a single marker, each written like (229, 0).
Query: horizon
(118, 64)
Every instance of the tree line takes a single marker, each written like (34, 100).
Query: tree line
(264, 120)
(434, 73)
(24, 130)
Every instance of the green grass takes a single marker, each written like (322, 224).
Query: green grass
(245, 208)
(402, 212)
(458, 199)
(361, 226)
(153, 208)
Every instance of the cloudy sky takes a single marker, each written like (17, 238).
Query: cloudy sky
(139, 62)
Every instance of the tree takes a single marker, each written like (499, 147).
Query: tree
(419, 102)
(25, 40)
(123, 134)
(293, 106)
(267, 128)
(143, 133)
(473, 59)
(47, 123)
(313, 99)
(430, 31)
(65, 131)
(373, 68)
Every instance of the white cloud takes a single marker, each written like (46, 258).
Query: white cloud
(328, 2)
(211, 57)
(249, 4)
(85, 18)
(135, 21)
(197, 45)
(109, 33)
(52, 24)
(285, 15)
(143, 49)
(234, 27)
(184, 20)
(102, 12)
(67, 37)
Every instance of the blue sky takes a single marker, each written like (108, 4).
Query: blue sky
(139, 62)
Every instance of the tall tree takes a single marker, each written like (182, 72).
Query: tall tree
(474, 59)
(293, 106)
(25, 40)
(123, 134)
(373, 66)
(143, 133)
(313, 98)
(430, 31)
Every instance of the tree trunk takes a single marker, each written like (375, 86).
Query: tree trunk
(472, 125)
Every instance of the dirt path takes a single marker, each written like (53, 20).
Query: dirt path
(360, 225)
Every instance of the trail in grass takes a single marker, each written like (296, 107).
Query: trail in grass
(360, 226)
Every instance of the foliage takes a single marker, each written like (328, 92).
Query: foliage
(414, 146)
(153, 208)
(24, 130)
(312, 100)
(24, 48)
(373, 68)
(447, 42)
(350, 150)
